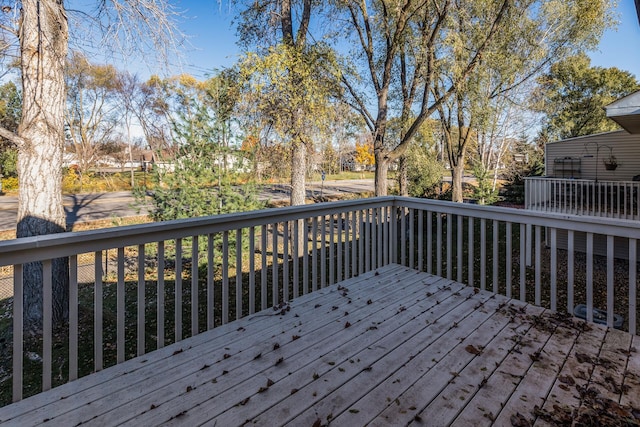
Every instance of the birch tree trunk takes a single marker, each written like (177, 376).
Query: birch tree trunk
(43, 37)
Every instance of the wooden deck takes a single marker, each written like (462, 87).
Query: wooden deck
(391, 347)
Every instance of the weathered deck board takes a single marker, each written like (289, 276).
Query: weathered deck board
(391, 347)
(564, 395)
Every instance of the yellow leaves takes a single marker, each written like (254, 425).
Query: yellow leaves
(250, 143)
(292, 88)
(364, 154)
(187, 80)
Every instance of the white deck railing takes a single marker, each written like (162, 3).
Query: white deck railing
(611, 199)
(242, 263)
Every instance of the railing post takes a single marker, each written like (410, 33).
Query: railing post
(18, 331)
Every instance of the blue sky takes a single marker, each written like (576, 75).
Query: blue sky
(620, 48)
(213, 41)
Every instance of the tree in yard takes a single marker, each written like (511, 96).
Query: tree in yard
(573, 94)
(195, 113)
(417, 55)
(10, 112)
(290, 92)
(538, 33)
(292, 77)
(401, 45)
(424, 170)
(92, 112)
(42, 32)
(364, 154)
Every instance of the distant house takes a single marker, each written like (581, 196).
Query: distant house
(594, 175)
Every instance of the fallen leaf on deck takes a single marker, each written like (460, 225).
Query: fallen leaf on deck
(473, 349)
(518, 420)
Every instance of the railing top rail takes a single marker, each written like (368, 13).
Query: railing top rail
(586, 180)
(20, 251)
(598, 225)
(29, 249)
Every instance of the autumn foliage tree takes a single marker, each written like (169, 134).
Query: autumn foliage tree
(364, 154)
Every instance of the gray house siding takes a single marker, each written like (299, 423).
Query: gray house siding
(576, 158)
(582, 150)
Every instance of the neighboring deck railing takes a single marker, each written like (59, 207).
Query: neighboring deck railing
(177, 279)
(611, 199)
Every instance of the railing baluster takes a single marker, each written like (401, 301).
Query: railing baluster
(120, 308)
(554, 270)
(97, 312)
(314, 254)
(238, 274)
(385, 229)
(339, 242)
(225, 277)
(18, 331)
(420, 240)
(523, 265)
(449, 247)
(439, 244)
(590, 277)
(252, 270)
(141, 302)
(305, 258)
(633, 265)
(570, 269)
(177, 293)
(348, 234)
(483, 254)
(538, 266)
(367, 240)
(403, 236)
(331, 261)
(285, 261)
(263, 271)
(296, 258)
(528, 239)
(610, 292)
(470, 250)
(159, 297)
(323, 252)
(380, 232)
(496, 230)
(508, 260)
(459, 234)
(73, 317)
(47, 320)
(211, 315)
(274, 266)
(194, 286)
(355, 236)
(361, 237)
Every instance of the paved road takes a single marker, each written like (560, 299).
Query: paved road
(97, 206)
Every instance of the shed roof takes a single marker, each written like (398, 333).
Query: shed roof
(626, 112)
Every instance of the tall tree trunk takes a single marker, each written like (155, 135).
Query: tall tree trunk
(382, 169)
(43, 44)
(298, 190)
(403, 181)
(298, 173)
(457, 172)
